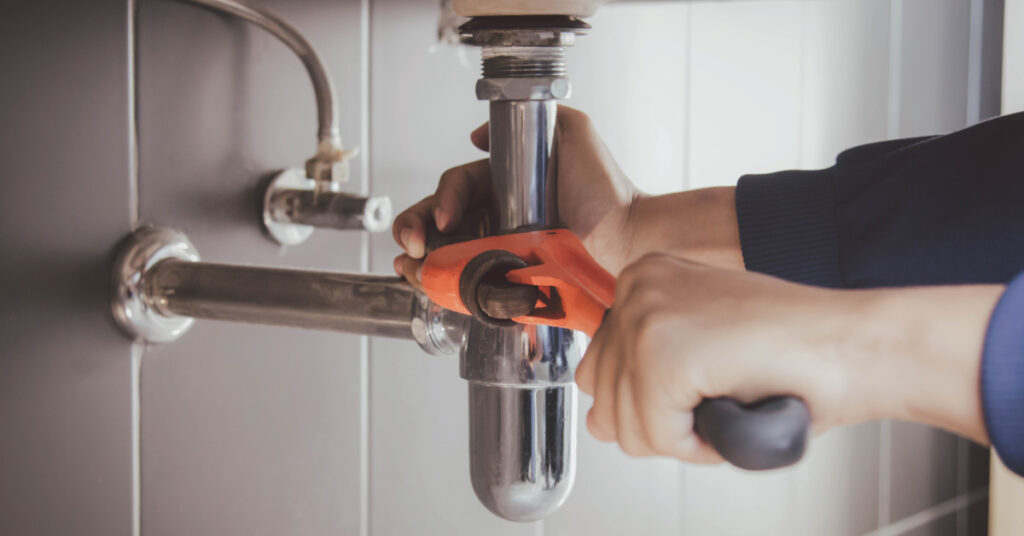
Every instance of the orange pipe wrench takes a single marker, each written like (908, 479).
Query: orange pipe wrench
(572, 290)
(547, 277)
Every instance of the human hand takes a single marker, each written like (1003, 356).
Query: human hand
(681, 332)
(594, 197)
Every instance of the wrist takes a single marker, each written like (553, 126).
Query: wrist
(697, 224)
(914, 354)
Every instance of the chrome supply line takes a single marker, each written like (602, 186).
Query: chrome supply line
(329, 162)
(293, 206)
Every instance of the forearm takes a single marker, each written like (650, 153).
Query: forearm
(915, 353)
(697, 224)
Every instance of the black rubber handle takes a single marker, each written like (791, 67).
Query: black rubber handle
(768, 434)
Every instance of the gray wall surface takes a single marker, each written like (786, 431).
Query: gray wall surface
(260, 430)
(65, 166)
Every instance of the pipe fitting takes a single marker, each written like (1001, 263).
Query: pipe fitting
(294, 205)
(537, 88)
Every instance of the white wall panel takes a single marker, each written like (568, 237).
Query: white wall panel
(745, 89)
(845, 77)
(1013, 57)
(630, 75)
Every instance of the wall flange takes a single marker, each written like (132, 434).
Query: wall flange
(134, 311)
(286, 233)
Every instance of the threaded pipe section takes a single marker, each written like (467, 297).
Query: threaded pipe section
(523, 62)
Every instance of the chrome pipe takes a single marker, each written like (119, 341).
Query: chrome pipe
(294, 205)
(522, 137)
(522, 398)
(352, 303)
(335, 210)
(160, 287)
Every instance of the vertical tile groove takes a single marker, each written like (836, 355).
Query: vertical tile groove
(884, 472)
(686, 180)
(975, 40)
(688, 55)
(962, 473)
(133, 122)
(137, 350)
(892, 131)
(364, 342)
(895, 66)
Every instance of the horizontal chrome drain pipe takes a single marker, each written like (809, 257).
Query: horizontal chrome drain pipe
(161, 287)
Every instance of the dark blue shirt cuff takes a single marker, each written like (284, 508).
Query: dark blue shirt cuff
(787, 223)
(1002, 377)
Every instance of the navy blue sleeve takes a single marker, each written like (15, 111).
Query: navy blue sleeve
(1002, 377)
(925, 211)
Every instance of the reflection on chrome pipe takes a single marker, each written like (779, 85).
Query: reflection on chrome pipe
(160, 287)
(534, 427)
(522, 135)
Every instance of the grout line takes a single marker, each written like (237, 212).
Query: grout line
(895, 67)
(962, 480)
(133, 120)
(687, 95)
(884, 473)
(681, 513)
(801, 128)
(365, 347)
(975, 51)
(892, 131)
(930, 514)
(137, 350)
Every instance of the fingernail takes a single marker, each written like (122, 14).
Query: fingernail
(419, 273)
(440, 219)
(404, 237)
